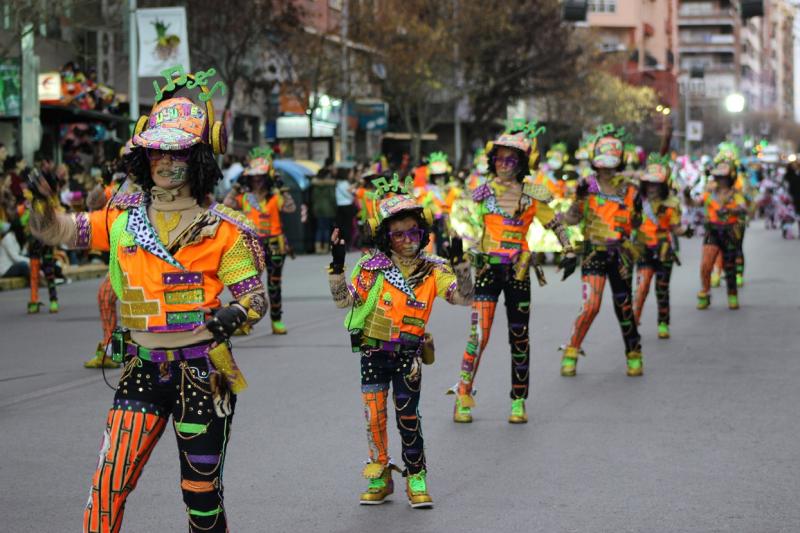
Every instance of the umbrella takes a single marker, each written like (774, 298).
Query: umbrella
(310, 165)
(294, 170)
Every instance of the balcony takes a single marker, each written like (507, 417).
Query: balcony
(705, 17)
(698, 43)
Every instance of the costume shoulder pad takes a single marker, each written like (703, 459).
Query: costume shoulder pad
(234, 217)
(481, 192)
(126, 200)
(375, 261)
(536, 191)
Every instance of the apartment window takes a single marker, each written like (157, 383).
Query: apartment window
(603, 6)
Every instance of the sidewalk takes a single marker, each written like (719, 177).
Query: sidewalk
(74, 273)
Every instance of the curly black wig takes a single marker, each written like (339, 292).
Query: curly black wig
(203, 172)
(663, 189)
(522, 165)
(382, 241)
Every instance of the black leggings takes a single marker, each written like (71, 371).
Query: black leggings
(403, 371)
(490, 282)
(147, 395)
(614, 265)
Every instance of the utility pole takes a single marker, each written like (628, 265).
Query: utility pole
(30, 126)
(133, 67)
(345, 83)
(456, 117)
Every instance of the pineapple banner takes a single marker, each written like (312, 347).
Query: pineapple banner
(163, 40)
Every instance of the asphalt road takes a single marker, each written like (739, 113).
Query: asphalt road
(706, 441)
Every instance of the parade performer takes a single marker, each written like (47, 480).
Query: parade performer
(262, 203)
(607, 206)
(170, 259)
(480, 168)
(390, 297)
(724, 208)
(41, 255)
(434, 196)
(507, 205)
(551, 176)
(661, 217)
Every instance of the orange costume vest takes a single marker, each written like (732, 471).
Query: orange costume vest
(163, 290)
(401, 313)
(712, 205)
(608, 218)
(265, 215)
(657, 222)
(505, 236)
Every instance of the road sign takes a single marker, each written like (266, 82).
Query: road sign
(694, 130)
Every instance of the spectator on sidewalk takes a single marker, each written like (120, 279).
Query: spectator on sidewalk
(345, 209)
(12, 262)
(323, 207)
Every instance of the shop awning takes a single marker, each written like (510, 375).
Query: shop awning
(56, 114)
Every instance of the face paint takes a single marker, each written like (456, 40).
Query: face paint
(555, 163)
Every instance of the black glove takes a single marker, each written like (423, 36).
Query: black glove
(689, 233)
(338, 251)
(637, 203)
(456, 250)
(582, 190)
(568, 264)
(226, 320)
(39, 183)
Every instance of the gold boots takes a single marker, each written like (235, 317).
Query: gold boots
(380, 483)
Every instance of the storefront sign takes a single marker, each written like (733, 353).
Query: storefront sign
(50, 87)
(163, 40)
(10, 84)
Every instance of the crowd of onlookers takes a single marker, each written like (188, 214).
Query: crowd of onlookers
(79, 188)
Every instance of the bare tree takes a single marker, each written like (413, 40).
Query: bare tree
(234, 37)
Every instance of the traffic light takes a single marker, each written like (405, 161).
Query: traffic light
(752, 8)
(574, 10)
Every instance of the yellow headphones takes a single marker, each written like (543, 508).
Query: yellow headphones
(216, 134)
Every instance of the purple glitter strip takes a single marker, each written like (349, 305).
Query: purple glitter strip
(127, 200)
(246, 286)
(377, 262)
(83, 230)
(203, 459)
(182, 278)
(513, 221)
(354, 294)
(450, 290)
(174, 327)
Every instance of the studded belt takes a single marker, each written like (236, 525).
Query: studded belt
(165, 355)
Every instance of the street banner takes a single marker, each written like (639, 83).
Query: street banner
(10, 83)
(163, 40)
(694, 130)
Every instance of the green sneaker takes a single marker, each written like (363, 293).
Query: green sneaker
(278, 328)
(663, 330)
(739, 280)
(569, 361)
(417, 491)
(715, 279)
(380, 484)
(518, 414)
(462, 412)
(54, 306)
(703, 300)
(33, 307)
(733, 301)
(635, 363)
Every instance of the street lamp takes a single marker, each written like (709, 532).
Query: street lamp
(734, 103)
